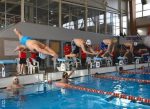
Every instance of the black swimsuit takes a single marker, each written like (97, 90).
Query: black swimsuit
(75, 48)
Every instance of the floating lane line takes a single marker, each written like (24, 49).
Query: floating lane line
(117, 95)
(122, 79)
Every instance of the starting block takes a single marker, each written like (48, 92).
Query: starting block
(109, 61)
(122, 60)
(98, 61)
(137, 60)
(66, 64)
(63, 64)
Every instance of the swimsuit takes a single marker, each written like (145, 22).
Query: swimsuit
(24, 40)
(103, 46)
(74, 47)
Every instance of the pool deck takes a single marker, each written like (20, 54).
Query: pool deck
(34, 78)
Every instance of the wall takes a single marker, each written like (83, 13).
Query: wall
(2, 54)
(51, 33)
(143, 21)
(142, 31)
(4, 82)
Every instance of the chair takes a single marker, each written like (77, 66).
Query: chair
(32, 66)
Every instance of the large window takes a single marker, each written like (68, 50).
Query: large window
(142, 10)
(113, 23)
(101, 25)
(37, 11)
(116, 24)
(124, 24)
(73, 16)
(9, 12)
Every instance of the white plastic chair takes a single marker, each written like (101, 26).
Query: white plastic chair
(32, 66)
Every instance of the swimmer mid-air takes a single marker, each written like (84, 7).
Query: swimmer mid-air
(34, 45)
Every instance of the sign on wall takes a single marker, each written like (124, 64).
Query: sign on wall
(9, 46)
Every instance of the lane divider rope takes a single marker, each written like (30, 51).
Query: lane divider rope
(126, 72)
(122, 79)
(118, 95)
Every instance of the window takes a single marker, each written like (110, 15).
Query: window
(138, 7)
(101, 19)
(146, 13)
(138, 1)
(142, 10)
(138, 14)
(80, 23)
(146, 7)
(116, 24)
(69, 25)
(90, 22)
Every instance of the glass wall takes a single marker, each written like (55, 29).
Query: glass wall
(9, 13)
(101, 25)
(142, 10)
(40, 12)
(92, 20)
(73, 16)
(30, 11)
(116, 24)
(53, 14)
(124, 24)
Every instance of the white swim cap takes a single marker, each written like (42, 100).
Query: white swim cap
(88, 42)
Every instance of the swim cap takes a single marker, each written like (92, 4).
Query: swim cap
(88, 42)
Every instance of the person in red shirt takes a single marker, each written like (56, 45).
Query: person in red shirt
(33, 56)
(67, 49)
(22, 61)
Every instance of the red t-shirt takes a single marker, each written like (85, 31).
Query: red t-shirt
(67, 50)
(83, 55)
(22, 54)
(33, 55)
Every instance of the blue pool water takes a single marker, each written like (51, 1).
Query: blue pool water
(136, 76)
(45, 96)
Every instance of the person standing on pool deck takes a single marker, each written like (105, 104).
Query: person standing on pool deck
(35, 45)
(22, 62)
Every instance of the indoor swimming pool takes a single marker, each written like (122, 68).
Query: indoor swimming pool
(48, 96)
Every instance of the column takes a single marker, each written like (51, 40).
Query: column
(120, 16)
(22, 10)
(86, 15)
(132, 7)
(60, 14)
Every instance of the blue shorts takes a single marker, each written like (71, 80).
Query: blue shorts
(103, 46)
(24, 40)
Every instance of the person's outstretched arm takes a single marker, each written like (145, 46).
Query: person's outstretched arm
(85, 51)
(18, 33)
(20, 48)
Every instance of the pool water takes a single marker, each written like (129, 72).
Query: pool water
(136, 76)
(45, 96)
